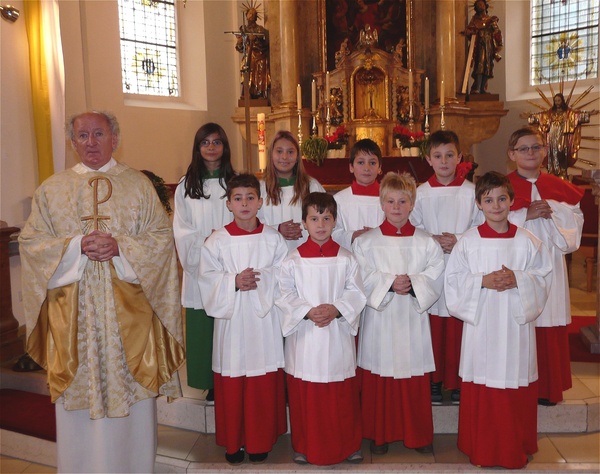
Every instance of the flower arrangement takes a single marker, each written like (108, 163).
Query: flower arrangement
(407, 137)
(338, 138)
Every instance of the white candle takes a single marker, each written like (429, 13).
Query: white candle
(426, 92)
(327, 91)
(442, 94)
(299, 97)
(262, 141)
(313, 91)
(410, 85)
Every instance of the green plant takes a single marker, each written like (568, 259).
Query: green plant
(161, 189)
(314, 149)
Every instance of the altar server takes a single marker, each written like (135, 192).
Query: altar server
(321, 300)
(548, 207)
(497, 281)
(402, 268)
(238, 278)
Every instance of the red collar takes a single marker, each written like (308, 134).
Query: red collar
(233, 229)
(370, 190)
(434, 183)
(549, 187)
(486, 232)
(310, 249)
(390, 230)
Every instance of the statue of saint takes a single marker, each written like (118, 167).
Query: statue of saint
(562, 127)
(484, 30)
(253, 43)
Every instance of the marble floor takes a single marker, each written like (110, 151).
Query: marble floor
(188, 451)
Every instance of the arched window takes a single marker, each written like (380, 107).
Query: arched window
(148, 32)
(564, 40)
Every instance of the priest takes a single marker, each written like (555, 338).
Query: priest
(101, 301)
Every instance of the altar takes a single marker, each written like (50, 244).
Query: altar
(334, 174)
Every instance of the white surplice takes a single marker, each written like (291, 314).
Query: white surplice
(498, 344)
(283, 212)
(441, 209)
(193, 222)
(395, 339)
(562, 235)
(316, 354)
(247, 336)
(355, 212)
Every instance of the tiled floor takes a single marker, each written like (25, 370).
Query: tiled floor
(189, 451)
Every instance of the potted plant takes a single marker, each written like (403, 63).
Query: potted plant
(314, 149)
(410, 142)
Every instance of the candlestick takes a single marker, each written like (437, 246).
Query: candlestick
(410, 85)
(327, 90)
(262, 141)
(442, 95)
(313, 91)
(426, 93)
(299, 96)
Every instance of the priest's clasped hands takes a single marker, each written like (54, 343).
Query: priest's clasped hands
(99, 246)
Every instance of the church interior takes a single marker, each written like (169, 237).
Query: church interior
(413, 77)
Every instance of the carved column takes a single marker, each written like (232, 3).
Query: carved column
(590, 335)
(10, 345)
(446, 46)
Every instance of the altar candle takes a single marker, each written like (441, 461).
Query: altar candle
(313, 96)
(299, 97)
(410, 85)
(442, 94)
(262, 141)
(426, 92)
(327, 91)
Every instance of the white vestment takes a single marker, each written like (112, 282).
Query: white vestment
(561, 234)
(353, 213)
(441, 209)
(316, 354)
(395, 339)
(498, 344)
(247, 337)
(193, 222)
(283, 212)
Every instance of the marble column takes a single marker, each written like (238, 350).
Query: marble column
(446, 46)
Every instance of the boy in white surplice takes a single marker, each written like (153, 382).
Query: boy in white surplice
(497, 282)
(238, 280)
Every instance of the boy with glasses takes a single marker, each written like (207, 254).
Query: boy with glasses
(548, 207)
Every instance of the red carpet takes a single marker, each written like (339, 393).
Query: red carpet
(579, 353)
(27, 413)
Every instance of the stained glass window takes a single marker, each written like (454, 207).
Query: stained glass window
(149, 47)
(564, 40)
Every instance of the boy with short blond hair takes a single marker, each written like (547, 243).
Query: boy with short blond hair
(548, 207)
(321, 300)
(358, 205)
(445, 207)
(497, 281)
(238, 271)
(402, 268)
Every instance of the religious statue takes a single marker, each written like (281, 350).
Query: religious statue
(368, 37)
(342, 53)
(484, 30)
(561, 125)
(253, 43)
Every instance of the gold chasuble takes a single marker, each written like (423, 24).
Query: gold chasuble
(105, 342)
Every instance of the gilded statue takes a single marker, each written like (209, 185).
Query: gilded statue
(561, 125)
(484, 30)
(253, 43)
